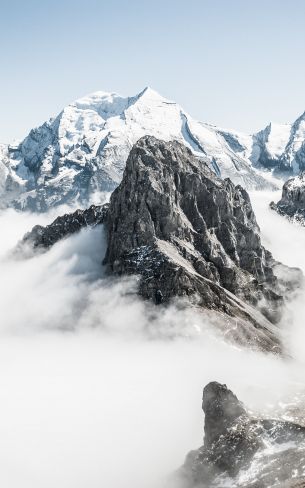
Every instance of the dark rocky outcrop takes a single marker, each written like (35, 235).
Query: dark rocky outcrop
(187, 233)
(190, 234)
(65, 225)
(292, 203)
(233, 438)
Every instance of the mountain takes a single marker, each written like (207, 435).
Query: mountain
(83, 151)
(292, 202)
(269, 145)
(10, 183)
(278, 147)
(65, 225)
(281, 146)
(187, 233)
(241, 450)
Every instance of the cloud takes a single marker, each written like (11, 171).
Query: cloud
(98, 388)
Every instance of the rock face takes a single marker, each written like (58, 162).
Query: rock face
(83, 150)
(233, 440)
(280, 147)
(63, 226)
(292, 203)
(190, 234)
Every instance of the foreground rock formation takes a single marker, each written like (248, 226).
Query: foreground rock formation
(292, 203)
(235, 441)
(186, 233)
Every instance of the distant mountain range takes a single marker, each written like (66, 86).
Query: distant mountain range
(82, 152)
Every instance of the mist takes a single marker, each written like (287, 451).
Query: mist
(100, 389)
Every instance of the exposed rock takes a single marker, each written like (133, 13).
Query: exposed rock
(65, 225)
(234, 439)
(292, 203)
(188, 233)
(83, 150)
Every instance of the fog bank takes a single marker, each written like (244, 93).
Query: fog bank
(93, 392)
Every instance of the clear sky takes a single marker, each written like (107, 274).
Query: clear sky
(235, 63)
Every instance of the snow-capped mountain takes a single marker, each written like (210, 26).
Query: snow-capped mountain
(269, 144)
(294, 155)
(83, 150)
(279, 146)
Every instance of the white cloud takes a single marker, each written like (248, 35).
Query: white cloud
(93, 392)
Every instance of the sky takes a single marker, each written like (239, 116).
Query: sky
(234, 63)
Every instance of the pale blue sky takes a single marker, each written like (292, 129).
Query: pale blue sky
(235, 63)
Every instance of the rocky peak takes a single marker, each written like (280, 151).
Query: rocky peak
(187, 232)
(233, 437)
(221, 409)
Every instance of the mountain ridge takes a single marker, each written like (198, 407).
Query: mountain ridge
(84, 149)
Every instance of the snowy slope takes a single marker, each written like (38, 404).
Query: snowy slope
(294, 155)
(278, 147)
(83, 150)
(277, 140)
(270, 144)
